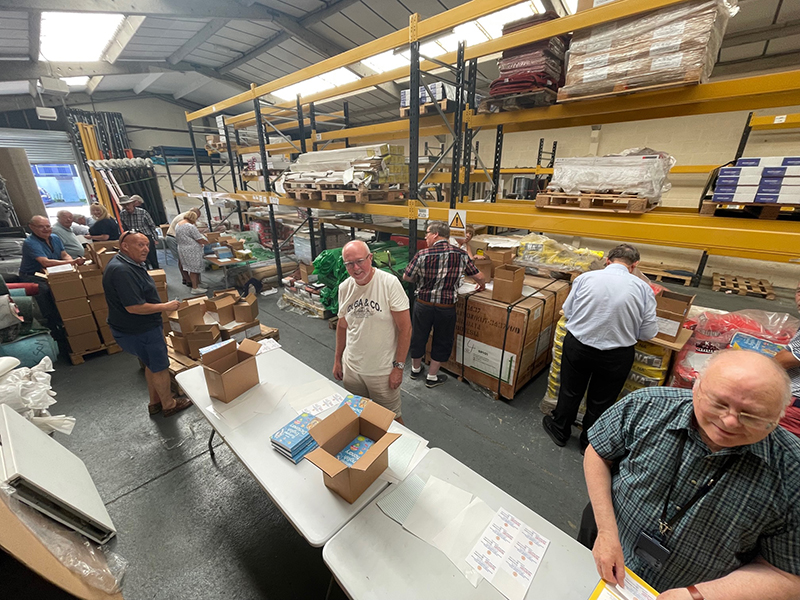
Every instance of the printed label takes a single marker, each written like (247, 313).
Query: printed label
(672, 61)
(664, 47)
(596, 61)
(485, 358)
(671, 30)
(667, 326)
(422, 213)
(779, 119)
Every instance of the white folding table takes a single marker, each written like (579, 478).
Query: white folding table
(374, 557)
(297, 490)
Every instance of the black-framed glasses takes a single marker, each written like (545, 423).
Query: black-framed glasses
(126, 232)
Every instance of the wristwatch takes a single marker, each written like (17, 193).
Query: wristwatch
(398, 365)
(696, 595)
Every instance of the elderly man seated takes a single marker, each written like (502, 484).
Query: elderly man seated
(63, 229)
(698, 491)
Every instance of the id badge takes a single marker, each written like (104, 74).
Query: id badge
(653, 552)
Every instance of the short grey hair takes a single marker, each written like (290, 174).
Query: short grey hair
(440, 228)
(782, 380)
(625, 253)
(62, 212)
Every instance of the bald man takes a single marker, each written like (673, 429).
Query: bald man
(698, 491)
(134, 317)
(373, 332)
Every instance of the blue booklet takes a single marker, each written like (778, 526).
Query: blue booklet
(357, 403)
(300, 454)
(355, 450)
(294, 435)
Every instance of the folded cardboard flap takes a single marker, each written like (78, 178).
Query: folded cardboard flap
(221, 308)
(188, 316)
(246, 309)
(202, 336)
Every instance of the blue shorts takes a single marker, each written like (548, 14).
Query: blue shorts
(149, 347)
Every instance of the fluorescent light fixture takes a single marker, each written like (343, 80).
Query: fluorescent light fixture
(320, 83)
(572, 6)
(76, 37)
(386, 61)
(76, 81)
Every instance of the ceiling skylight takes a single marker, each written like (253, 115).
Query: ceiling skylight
(320, 83)
(76, 37)
(473, 32)
(76, 81)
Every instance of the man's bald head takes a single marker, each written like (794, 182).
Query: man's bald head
(354, 249)
(760, 375)
(134, 245)
(38, 221)
(358, 261)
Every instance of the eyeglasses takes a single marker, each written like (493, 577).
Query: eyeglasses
(746, 420)
(359, 262)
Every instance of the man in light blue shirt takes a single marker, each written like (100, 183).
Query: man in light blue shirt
(607, 312)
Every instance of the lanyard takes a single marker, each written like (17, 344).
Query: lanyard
(665, 525)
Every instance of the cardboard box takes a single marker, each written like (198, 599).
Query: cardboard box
(103, 258)
(179, 343)
(67, 289)
(71, 309)
(480, 356)
(305, 271)
(220, 308)
(672, 309)
(243, 331)
(507, 285)
(101, 316)
(159, 276)
(61, 273)
(98, 302)
(80, 325)
(212, 236)
(246, 309)
(96, 247)
(231, 369)
(486, 267)
(188, 316)
(339, 429)
(162, 292)
(232, 292)
(84, 342)
(479, 249)
(501, 256)
(201, 337)
(93, 282)
(106, 335)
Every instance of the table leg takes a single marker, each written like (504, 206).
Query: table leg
(330, 589)
(211, 439)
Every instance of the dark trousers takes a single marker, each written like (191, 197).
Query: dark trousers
(152, 255)
(442, 319)
(604, 373)
(587, 534)
(45, 301)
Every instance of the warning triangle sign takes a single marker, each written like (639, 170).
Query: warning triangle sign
(456, 222)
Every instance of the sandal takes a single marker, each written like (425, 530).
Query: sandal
(180, 404)
(154, 409)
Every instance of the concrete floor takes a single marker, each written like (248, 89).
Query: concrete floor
(193, 526)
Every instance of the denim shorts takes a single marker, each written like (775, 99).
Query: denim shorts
(148, 346)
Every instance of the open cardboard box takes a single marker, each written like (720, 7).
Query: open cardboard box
(246, 309)
(672, 309)
(339, 429)
(202, 336)
(188, 316)
(220, 308)
(231, 370)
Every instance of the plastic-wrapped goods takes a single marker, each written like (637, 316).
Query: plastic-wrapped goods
(671, 46)
(554, 378)
(28, 392)
(540, 251)
(640, 171)
(715, 332)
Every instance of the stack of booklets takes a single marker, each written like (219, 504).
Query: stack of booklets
(354, 450)
(357, 403)
(294, 440)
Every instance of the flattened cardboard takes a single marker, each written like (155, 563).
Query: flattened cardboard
(80, 325)
(70, 309)
(672, 309)
(231, 371)
(246, 309)
(507, 286)
(243, 331)
(84, 342)
(336, 431)
(220, 308)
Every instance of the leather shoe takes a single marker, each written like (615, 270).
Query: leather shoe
(549, 428)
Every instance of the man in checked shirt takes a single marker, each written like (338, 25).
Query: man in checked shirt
(139, 219)
(437, 270)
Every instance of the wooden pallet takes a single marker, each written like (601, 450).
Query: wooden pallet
(692, 78)
(77, 358)
(540, 97)
(363, 196)
(318, 312)
(619, 203)
(759, 211)
(429, 108)
(743, 286)
(660, 275)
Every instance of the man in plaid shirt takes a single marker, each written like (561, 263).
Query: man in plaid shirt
(437, 270)
(698, 491)
(139, 219)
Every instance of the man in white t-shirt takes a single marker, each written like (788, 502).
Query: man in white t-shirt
(373, 332)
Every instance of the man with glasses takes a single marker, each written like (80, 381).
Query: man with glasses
(373, 330)
(134, 217)
(134, 317)
(437, 270)
(698, 491)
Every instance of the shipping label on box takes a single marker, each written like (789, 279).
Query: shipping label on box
(485, 358)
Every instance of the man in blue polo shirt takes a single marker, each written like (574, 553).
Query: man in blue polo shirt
(134, 317)
(41, 250)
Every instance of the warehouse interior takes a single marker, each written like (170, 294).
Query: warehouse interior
(172, 82)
